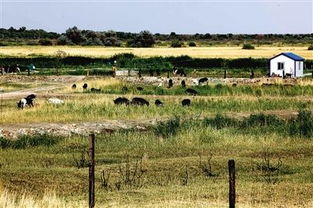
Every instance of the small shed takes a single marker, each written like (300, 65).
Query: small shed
(286, 64)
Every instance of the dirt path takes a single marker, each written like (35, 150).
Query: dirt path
(54, 82)
(68, 129)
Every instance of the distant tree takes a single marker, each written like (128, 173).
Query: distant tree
(45, 42)
(144, 39)
(177, 44)
(75, 35)
(63, 40)
(192, 44)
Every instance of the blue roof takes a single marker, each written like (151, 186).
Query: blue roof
(293, 56)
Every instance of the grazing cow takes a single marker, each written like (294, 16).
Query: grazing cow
(203, 80)
(121, 101)
(74, 86)
(22, 103)
(160, 84)
(186, 102)
(180, 72)
(170, 83)
(30, 98)
(85, 86)
(27, 101)
(191, 91)
(139, 101)
(158, 103)
(95, 90)
(139, 88)
(183, 84)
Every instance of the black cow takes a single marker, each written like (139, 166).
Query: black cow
(85, 86)
(186, 102)
(191, 91)
(95, 90)
(74, 86)
(183, 83)
(121, 101)
(203, 80)
(139, 88)
(158, 103)
(170, 83)
(27, 101)
(139, 101)
(180, 72)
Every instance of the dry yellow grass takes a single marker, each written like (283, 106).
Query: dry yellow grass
(199, 52)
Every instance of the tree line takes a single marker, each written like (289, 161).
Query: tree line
(75, 36)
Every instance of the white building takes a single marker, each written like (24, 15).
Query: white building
(286, 64)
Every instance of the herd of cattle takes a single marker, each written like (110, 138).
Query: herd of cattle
(29, 100)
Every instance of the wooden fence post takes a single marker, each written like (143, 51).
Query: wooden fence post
(232, 183)
(92, 170)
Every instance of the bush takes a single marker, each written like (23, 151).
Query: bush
(261, 120)
(29, 141)
(220, 121)
(247, 46)
(192, 44)
(302, 125)
(310, 47)
(177, 44)
(167, 128)
(45, 42)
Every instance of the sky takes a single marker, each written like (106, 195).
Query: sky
(161, 16)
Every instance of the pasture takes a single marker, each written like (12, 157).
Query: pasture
(178, 161)
(195, 52)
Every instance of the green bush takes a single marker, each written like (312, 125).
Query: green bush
(45, 42)
(220, 121)
(177, 44)
(192, 44)
(29, 141)
(261, 120)
(247, 46)
(167, 128)
(302, 125)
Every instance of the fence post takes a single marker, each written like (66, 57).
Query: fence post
(92, 170)
(232, 183)
(225, 74)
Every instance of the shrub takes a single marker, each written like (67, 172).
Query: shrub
(192, 44)
(29, 141)
(310, 47)
(220, 121)
(302, 125)
(247, 46)
(261, 120)
(45, 42)
(177, 44)
(167, 128)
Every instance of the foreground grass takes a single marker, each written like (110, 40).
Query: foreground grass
(197, 52)
(173, 173)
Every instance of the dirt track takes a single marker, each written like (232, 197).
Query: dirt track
(54, 82)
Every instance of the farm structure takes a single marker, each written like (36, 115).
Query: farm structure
(286, 64)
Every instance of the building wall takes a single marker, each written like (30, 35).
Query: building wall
(289, 66)
(299, 68)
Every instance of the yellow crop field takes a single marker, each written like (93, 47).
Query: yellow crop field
(197, 52)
